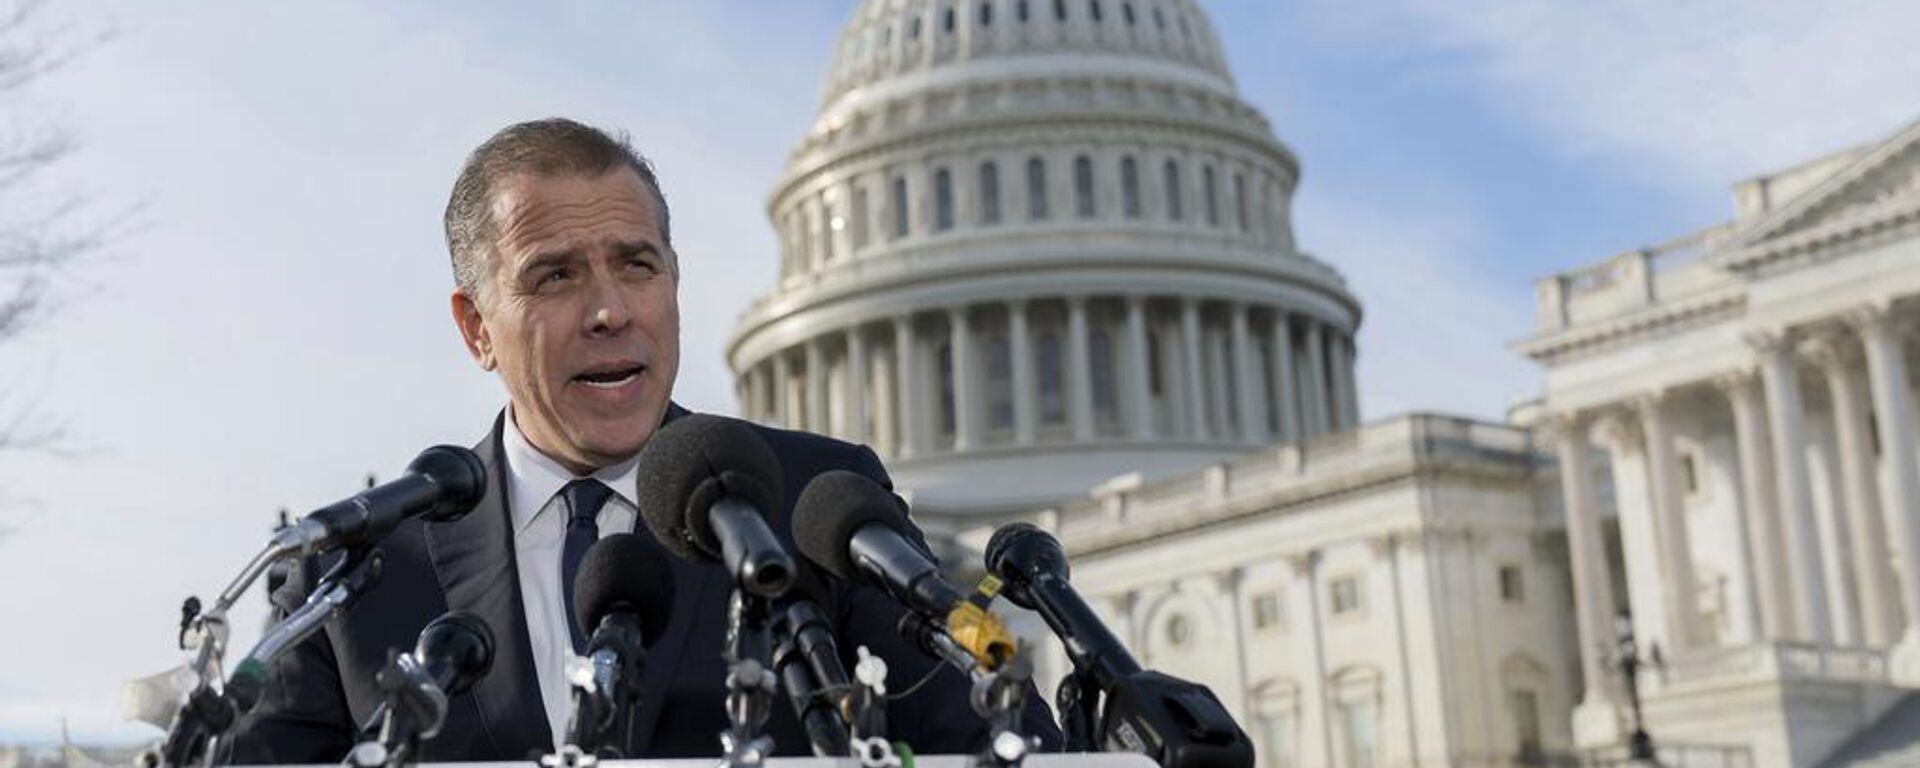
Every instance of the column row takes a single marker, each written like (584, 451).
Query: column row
(1071, 369)
(1798, 577)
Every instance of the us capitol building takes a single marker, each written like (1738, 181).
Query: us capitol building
(1039, 255)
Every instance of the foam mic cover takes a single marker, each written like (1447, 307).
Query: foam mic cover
(694, 461)
(833, 506)
(459, 474)
(457, 650)
(1017, 553)
(624, 573)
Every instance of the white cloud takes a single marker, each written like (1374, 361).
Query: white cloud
(1686, 93)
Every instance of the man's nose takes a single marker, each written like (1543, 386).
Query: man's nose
(607, 311)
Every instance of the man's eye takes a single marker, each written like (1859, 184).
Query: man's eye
(554, 276)
(643, 264)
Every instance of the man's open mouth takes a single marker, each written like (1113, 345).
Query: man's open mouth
(610, 378)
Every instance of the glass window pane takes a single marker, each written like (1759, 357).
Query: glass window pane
(942, 200)
(1036, 189)
(989, 193)
(1083, 186)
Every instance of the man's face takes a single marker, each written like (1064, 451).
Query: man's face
(580, 315)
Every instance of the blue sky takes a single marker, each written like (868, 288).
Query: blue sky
(277, 327)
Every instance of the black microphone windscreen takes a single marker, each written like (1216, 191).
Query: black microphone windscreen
(694, 461)
(624, 573)
(1018, 550)
(463, 642)
(831, 508)
(460, 475)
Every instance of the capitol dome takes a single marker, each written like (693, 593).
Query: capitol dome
(1029, 246)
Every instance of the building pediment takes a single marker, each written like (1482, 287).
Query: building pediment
(1880, 187)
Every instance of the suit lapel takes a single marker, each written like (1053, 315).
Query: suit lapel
(473, 559)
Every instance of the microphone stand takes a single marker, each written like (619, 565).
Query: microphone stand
(816, 684)
(209, 715)
(1078, 699)
(750, 682)
(997, 695)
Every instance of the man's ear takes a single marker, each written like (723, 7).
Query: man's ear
(473, 329)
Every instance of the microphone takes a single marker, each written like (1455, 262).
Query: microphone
(706, 484)
(809, 668)
(625, 591)
(453, 651)
(1178, 723)
(442, 483)
(849, 526)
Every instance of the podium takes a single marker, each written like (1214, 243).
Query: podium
(1070, 760)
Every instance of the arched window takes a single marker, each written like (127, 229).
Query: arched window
(999, 384)
(1036, 189)
(1093, 9)
(860, 214)
(913, 29)
(1126, 12)
(989, 193)
(1211, 192)
(986, 14)
(942, 200)
(1130, 187)
(946, 20)
(900, 206)
(1059, 10)
(1176, 202)
(1240, 201)
(1159, 19)
(1020, 11)
(1052, 378)
(1083, 186)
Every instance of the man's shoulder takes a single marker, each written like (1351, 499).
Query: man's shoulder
(805, 454)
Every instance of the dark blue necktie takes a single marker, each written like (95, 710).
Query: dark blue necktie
(584, 500)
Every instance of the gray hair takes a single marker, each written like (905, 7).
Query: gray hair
(551, 147)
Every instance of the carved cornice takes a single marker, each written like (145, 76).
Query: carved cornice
(1616, 332)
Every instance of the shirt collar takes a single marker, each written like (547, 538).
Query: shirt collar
(534, 477)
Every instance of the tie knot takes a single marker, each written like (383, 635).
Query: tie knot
(584, 498)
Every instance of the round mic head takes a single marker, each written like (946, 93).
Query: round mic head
(694, 461)
(624, 573)
(831, 508)
(459, 474)
(1020, 551)
(458, 647)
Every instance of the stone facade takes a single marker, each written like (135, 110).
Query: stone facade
(1737, 408)
(1039, 254)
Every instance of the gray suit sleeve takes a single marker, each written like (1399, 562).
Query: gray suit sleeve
(302, 716)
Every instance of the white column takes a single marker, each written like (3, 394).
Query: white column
(1139, 383)
(1195, 356)
(1024, 395)
(1303, 596)
(960, 337)
(1758, 513)
(1079, 370)
(906, 365)
(1899, 480)
(817, 388)
(1253, 421)
(1639, 544)
(1316, 375)
(1286, 384)
(857, 401)
(1670, 519)
(1794, 489)
(1869, 570)
(782, 390)
(1592, 588)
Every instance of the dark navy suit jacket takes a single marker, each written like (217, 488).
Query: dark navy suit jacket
(318, 692)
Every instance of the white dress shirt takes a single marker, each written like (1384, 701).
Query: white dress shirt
(539, 519)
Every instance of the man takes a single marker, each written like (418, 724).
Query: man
(567, 288)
